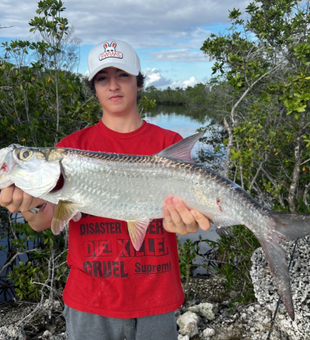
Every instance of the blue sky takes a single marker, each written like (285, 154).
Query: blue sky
(167, 34)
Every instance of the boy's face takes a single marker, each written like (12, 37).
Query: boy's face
(116, 91)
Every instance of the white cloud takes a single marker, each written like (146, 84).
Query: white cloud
(183, 84)
(154, 78)
(190, 82)
(143, 23)
(178, 55)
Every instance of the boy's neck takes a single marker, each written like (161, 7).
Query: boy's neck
(123, 124)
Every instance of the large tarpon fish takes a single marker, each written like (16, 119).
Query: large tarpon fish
(134, 188)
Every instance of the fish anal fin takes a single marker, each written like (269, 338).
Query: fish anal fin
(181, 150)
(64, 212)
(137, 230)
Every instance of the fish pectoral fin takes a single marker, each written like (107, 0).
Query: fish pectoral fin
(65, 210)
(137, 230)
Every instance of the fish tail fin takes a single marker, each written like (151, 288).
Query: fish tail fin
(286, 226)
(276, 258)
(291, 226)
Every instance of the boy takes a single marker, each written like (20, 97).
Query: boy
(113, 291)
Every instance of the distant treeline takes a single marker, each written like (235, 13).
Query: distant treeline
(194, 97)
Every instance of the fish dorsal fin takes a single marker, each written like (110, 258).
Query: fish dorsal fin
(64, 212)
(137, 230)
(182, 149)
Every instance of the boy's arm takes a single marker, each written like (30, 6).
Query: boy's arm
(15, 200)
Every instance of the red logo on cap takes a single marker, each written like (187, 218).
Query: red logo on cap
(110, 51)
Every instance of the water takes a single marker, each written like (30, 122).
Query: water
(176, 120)
(184, 125)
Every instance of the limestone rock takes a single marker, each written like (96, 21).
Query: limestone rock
(181, 337)
(208, 332)
(266, 292)
(11, 332)
(205, 309)
(188, 323)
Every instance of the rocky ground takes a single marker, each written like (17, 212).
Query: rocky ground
(218, 319)
(207, 315)
(23, 321)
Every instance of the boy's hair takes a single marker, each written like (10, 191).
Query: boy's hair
(91, 85)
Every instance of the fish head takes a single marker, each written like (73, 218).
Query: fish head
(36, 171)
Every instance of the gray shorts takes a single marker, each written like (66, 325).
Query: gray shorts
(84, 326)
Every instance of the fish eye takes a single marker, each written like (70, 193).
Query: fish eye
(24, 155)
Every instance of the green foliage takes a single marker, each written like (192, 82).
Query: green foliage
(233, 252)
(22, 277)
(145, 104)
(51, 22)
(265, 61)
(229, 257)
(32, 276)
(187, 254)
(28, 106)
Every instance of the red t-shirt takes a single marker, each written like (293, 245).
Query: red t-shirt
(107, 275)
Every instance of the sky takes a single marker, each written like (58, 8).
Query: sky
(167, 34)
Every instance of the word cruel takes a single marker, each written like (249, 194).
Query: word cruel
(105, 269)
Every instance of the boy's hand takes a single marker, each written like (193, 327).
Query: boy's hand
(178, 218)
(15, 200)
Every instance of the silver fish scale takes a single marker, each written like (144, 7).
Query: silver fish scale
(119, 187)
(135, 187)
(229, 205)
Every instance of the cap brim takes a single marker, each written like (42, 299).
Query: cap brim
(131, 70)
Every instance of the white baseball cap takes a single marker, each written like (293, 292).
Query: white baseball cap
(113, 53)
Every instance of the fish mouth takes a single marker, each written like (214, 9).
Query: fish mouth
(3, 157)
(6, 166)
